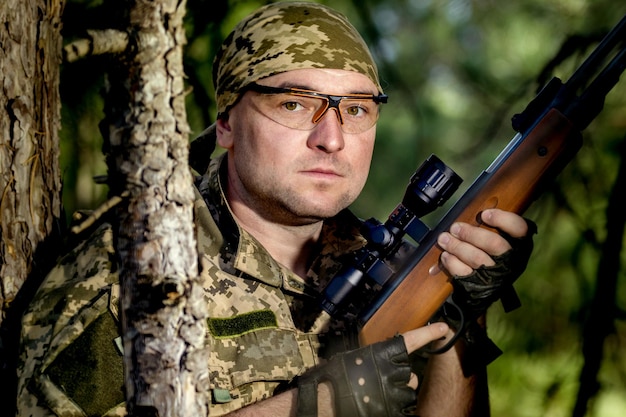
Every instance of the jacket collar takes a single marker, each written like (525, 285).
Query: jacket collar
(241, 253)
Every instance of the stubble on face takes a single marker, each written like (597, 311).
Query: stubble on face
(285, 175)
(283, 194)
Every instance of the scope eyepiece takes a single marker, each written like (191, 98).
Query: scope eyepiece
(430, 186)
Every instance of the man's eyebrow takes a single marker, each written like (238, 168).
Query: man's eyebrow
(288, 84)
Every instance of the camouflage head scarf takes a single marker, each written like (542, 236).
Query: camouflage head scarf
(286, 36)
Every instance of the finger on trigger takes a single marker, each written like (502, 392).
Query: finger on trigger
(416, 338)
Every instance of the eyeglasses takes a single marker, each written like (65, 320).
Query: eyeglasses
(301, 109)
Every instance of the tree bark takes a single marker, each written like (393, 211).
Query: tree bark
(163, 311)
(30, 180)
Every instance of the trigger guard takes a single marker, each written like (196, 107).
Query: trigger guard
(459, 331)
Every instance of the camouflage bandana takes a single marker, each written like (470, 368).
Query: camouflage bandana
(286, 36)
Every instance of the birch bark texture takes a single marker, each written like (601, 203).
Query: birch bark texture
(162, 307)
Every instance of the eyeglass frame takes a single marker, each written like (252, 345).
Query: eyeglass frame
(332, 100)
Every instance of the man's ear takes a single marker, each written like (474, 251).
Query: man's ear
(224, 133)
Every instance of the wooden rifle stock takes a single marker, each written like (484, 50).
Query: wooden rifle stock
(549, 137)
(511, 186)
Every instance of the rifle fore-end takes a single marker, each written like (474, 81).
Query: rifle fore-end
(512, 186)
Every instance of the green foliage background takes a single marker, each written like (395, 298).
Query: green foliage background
(455, 71)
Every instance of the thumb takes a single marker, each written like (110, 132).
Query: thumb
(415, 339)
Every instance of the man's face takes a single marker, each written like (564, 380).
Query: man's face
(292, 176)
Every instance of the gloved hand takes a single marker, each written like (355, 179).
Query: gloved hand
(474, 293)
(370, 381)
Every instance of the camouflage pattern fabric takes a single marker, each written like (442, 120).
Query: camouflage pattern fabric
(287, 36)
(74, 295)
(264, 329)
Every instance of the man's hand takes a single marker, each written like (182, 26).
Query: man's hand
(467, 247)
(485, 262)
(418, 338)
(371, 381)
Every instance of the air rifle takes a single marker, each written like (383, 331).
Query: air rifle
(548, 137)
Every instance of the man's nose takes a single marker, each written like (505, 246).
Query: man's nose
(327, 134)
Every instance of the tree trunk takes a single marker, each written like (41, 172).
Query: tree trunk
(163, 311)
(30, 181)
(603, 312)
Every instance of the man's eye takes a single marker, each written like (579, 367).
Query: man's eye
(292, 106)
(355, 111)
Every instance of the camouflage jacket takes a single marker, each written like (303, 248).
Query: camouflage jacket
(264, 324)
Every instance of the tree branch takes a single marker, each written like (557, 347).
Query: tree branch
(603, 312)
(97, 42)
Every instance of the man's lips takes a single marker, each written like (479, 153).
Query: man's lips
(322, 172)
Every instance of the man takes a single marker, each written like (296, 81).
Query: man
(298, 98)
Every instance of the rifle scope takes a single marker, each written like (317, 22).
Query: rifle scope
(432, 184)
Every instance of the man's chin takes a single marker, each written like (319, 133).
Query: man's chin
(317, 212)
(315, 207)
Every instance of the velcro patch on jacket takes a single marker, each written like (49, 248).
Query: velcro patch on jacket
(90, 370)
(242, 323)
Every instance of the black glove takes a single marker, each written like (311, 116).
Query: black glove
(370, 381)
(474, 293)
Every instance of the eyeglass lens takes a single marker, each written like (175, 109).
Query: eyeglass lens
(302, 111)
